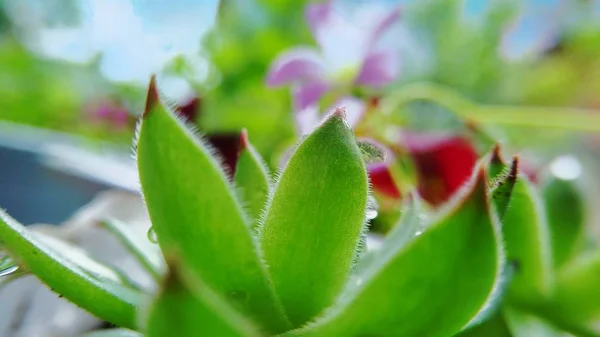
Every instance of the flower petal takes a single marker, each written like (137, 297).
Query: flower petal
(310, 93)
(382, 181)
(444, 163)
(190, 109)
(386, 22)
(378, 69)
(307, 119)
(227, 146)
(295, 66)
(317, 14)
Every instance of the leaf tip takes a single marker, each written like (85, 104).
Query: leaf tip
(339, 112)
(152, 96)
(514, 169)
(244, 142)
(497, 155)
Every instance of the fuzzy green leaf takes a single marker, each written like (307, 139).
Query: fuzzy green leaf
(526, 236)
(184, 307)
(103, 297)
(315, 219)
(139, 246)
(566, 218)
(371, 152)
(252, 179)
(433, 286)
(503, 186)
(113, 333)
(195, 212)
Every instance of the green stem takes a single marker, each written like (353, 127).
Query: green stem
(511, 115)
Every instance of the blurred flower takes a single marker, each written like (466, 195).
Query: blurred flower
(347, 56)
(111, 114)
(382, 181)
(226, 144)
(444, 163)
(190, 110)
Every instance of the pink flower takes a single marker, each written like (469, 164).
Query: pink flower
(344, 49)
(112, 114)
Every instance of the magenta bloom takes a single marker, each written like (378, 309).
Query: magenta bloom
(347, 56)
(112, 114)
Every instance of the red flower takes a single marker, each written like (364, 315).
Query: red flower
(444, 163)
(382, 181)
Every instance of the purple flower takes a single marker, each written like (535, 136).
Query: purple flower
(347, 56)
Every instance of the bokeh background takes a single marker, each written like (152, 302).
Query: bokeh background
(73, 78)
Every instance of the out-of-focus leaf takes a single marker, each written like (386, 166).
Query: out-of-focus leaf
(113, 333)
(138, 245)
(495, 326)
(371, 152)
(82, 259)
(566, 215)
(526, 325)
(526, 236)
(194, 211)
(433, 286)
(251, 178)
(103, 297)
(576, 294)
(184, 307)
(319, 205)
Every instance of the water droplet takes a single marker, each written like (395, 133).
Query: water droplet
(419, 232)
(7, 266)
(152, 235)
(372, 207)
(359, 281)
(371, 214)
(9, 270)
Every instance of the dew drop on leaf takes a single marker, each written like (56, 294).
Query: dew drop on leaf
(152, 235)
(7, 266)
(372, 207)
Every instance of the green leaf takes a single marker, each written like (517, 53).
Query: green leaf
(576, 293)
(194, 212)
(82, 259)
(371, 152)
(113, 333)
(139, 246)
(495, 326)
(433, 286)
(184, 307)
(527, 241)
(503, 186)
(315, 219)
(566, 218)
(526, 325)
(252, 179)
(102, 297)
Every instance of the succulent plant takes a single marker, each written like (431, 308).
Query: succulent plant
(246, 256)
